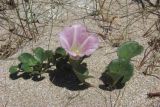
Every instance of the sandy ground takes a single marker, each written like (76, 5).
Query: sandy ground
(29, 93)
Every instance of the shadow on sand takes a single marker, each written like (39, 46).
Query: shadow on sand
(107, 80)
(66, 78)
(26, 76)
(63, 77)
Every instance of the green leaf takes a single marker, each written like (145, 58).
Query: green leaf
(81, 72)
(50, 56)
(119, 68)
(60, 52)
(26, 68)
(40, 54)
(13, 69)
(27, 58)
(129, 50)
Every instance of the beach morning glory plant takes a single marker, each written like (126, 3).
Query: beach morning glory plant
(77, 43)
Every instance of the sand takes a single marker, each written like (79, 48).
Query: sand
(29, 93)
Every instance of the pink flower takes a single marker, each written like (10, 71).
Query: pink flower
(78, 42)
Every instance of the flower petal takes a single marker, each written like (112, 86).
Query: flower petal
(90, 44)
(74, 55)
(73, 34)
(78, 33)
(64, 43)
(67, 35)
(82, 34)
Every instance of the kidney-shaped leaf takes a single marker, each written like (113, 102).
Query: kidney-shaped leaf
(50, 56)
(26, 68)
(27, 59)
(120, 68)
(40, 54)
(129, 50)
(60, 52)
(13, 69)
